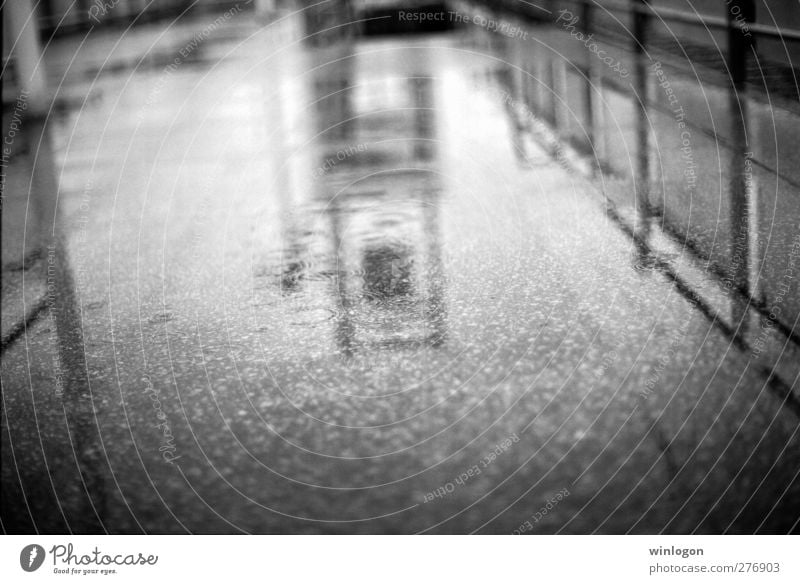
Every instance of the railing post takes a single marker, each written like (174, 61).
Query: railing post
(589, 113)
(743, 194)
(740, 40)
(586, 16)
(19, 20)
(641, 21)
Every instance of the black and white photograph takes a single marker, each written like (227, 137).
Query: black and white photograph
(386, 267)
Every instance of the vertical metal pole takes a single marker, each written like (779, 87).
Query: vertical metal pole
(539, 68)
(435, 313)
(424, 131)
(742, 193)
(345, 331)
(592, 82)
(21, 27)
(641, 21)
(586, 17)
(588, 106)
(558, 88)
(740, 41)
(63, 301)
(556, 82)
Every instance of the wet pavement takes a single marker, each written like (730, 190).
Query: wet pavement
(370, 284)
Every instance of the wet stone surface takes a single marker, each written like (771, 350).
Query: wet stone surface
(334, 289)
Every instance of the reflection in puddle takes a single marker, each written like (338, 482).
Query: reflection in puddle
(387, 272)
(359, 221)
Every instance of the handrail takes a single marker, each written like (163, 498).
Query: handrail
(766, 30)
(706, 20)
(676, 15)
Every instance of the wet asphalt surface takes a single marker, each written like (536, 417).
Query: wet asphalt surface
(334, 288)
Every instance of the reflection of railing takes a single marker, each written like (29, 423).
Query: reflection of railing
(699, 35)
(48, 261)
(746, 23)
(735, 136)
(400, 303)
(545, 11)
(365, 231)
(64, 17)
(574, 94)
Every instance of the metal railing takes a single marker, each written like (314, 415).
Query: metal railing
(647, 206)
(545, 10)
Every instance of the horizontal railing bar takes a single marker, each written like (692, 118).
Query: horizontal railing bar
(766, 30)
(697, 19)
(707, 132)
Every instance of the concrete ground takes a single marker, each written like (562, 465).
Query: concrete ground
(298, 288)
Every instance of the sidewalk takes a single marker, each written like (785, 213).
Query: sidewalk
(440, 331)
